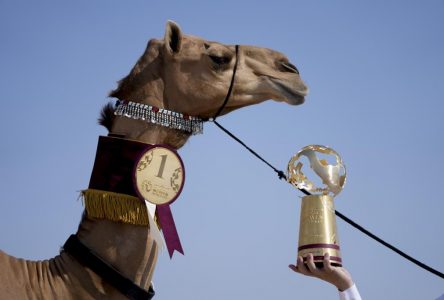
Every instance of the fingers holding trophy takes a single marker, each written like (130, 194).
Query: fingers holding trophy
(319, 171)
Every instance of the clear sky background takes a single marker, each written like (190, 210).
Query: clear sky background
(376, 74)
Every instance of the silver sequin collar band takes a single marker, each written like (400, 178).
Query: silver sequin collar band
(159, 116)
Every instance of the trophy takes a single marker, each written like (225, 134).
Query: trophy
(318, 170)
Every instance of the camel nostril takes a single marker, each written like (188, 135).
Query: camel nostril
(289, 67)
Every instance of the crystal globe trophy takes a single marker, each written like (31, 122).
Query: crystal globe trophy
(318, 170)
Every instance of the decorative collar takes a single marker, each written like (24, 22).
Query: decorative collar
(114, 194)
(159, 116)
(111, 192)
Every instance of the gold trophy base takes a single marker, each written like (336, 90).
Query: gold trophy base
(317, 231)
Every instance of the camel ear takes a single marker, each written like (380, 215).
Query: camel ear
(173, 37)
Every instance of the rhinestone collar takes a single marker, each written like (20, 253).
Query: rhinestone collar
(159, 116)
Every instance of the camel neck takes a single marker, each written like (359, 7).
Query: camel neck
(128, 248)
(139, 130)
(152, 93)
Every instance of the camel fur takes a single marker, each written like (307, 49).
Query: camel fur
(181, 73)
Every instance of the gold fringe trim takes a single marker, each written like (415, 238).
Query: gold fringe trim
(115, 207)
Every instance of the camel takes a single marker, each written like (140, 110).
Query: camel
(181, 73)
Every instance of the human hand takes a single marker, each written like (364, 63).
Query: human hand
(337, 276)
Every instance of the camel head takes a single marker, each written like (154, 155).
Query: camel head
(188, 74)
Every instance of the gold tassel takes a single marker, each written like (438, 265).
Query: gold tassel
(115, 207)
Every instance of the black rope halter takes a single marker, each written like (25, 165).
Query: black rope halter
(230, 89)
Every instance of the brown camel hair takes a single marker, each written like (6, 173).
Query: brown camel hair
(181, 73)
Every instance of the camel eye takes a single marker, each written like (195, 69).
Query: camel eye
(220, 60)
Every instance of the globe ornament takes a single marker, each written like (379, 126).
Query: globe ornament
(331, 177)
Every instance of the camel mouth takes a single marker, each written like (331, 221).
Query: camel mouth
(290, 93)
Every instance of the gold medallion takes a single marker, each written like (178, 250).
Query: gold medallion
(159, 175)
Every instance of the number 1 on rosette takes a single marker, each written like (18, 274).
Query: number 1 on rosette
(159, 177)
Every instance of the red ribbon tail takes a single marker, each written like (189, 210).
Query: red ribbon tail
(169, 230)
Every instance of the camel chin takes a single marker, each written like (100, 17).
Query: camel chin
(288, 93)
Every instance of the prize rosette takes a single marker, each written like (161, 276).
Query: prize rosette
(159, 177)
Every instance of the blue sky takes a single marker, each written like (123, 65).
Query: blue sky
(375, 72)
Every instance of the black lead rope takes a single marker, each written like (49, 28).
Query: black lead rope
(279, 173)
(282, 175)
(340, 215)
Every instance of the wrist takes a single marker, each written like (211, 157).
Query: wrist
(344, 285)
